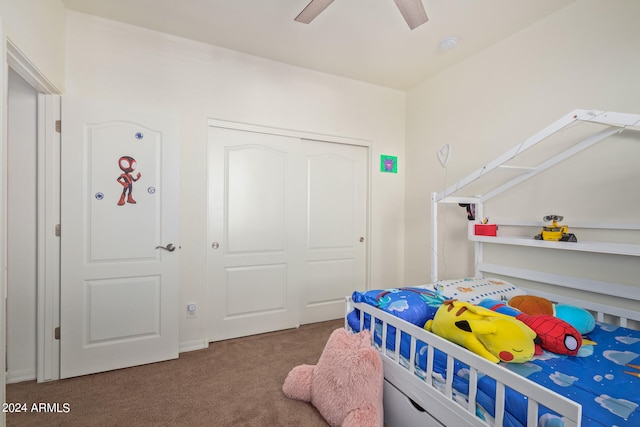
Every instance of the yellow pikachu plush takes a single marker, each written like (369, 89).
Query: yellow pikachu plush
(494, 336)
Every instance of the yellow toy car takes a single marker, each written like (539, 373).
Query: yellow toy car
(555, 232)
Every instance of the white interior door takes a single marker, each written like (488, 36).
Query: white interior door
(287, 229)
(255, 218)
(335, 250)
(119, 207)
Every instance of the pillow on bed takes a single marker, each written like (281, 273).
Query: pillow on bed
(415, 305)
(474, 290)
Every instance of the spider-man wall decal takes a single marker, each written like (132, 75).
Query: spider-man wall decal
(127, 164)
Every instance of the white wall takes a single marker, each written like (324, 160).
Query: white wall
(37, 28)
(109, 60)
(584, 56)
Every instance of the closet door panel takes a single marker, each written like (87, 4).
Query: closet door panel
(335, 255)
(255, 229)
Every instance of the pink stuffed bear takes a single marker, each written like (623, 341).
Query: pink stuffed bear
(346, 384)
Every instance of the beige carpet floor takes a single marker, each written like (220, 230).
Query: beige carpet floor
(232, 383)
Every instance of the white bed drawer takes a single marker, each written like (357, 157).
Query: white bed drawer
(400, 412)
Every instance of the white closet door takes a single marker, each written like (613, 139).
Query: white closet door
(287, 229)
(255, 223)
(335, 250)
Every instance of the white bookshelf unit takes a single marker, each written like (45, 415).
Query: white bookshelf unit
(522, 233)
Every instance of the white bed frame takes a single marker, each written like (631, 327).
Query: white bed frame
(410, 400)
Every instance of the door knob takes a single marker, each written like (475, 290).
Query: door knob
(170, 247)
(215, 245)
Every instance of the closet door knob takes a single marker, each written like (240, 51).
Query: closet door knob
(215, 245)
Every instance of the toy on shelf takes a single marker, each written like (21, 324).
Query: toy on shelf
(555, 232)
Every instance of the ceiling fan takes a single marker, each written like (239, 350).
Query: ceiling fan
(412, 11)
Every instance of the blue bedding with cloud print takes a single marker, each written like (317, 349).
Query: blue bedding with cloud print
(599, 378)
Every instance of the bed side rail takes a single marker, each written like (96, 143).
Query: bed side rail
(603, 312)
(442, 399)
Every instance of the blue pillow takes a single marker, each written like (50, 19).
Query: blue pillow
(415, 305)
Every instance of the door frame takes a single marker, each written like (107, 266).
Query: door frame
(4, 82)
(48, 242)
(48, 200)
(226, 124)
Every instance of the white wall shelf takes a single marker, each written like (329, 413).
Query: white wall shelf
(596, 247)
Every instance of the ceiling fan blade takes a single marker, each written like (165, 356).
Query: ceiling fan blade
(312, 10)
(413, 12)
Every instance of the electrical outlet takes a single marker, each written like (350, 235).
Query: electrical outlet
(191, 311)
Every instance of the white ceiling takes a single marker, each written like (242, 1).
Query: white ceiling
(366, 40)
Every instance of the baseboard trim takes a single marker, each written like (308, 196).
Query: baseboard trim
(184, 347)
(18, 377)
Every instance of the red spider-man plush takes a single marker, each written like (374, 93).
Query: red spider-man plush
(553, 334)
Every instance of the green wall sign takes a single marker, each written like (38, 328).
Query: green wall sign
(388, 163)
